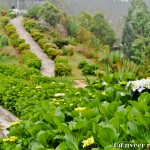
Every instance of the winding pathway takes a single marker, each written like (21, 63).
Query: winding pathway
(47, 68)
(6, 118)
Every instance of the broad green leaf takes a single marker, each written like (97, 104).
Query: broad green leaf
(34, 129)
(106, 136)
(61, 146)
(36, 146)
(42, 137)
(117, 121)
(71, 142)
(139, 131)
(63, 127)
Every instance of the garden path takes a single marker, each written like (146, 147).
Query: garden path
(5, 120)
(47, 68)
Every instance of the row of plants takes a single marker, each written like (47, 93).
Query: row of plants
(52, 49)
(54, 115)
(47, 46)
(27, 57)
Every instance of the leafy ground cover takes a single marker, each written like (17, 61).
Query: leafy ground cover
(111, 113)
(54, 115)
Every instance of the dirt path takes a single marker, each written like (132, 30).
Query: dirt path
(47, 68)
(80, 84)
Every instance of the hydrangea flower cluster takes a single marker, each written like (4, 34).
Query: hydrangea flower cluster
(139, 85)
(15, 123)
(59, 94)
(11, 139)
(88, 142)
(79, 109)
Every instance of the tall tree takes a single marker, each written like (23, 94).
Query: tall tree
(136, 25)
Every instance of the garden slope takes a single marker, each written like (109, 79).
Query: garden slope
(47, 68)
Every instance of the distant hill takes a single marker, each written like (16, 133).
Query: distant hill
(114, 10)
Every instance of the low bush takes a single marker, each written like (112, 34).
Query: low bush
(60, 42)
(53, 53)
(4, 21)
(61, 60)
(82, 64)
(42, 42)
(13, 36)
(29, 25)
(10, 29)
(15, 42)
(68, 50)
(48, 45)
(62, 69)
(31, 60)
(34, 11)
(3, 41)
(23, 46)
(36, 34)
(88, 69)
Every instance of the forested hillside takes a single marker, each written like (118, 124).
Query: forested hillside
(99, 97)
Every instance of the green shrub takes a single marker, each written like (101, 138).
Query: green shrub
(89, 69)
(48, 45)
(30, 59)
(42, 42)
(49, 13)
(3, 41)
(4, 21)
(82, 64)
(36, 34)
(62, 69)
(23, 46)
(10, 29)
(14, 35)
(29, 25)
(34, 11)
(53, 53)
(60, 42)
(40, 28)
(72, 27)
(68, 50)
(61, 60)
(14, 42)
(83, 35)
(12, 15)
(71, 40)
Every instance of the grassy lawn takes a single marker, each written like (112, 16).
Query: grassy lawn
(10, 56)
(73, 61)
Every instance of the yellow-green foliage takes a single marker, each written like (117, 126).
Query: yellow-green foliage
(48, 45)
(27, 56)
(23, 46)
(42, 42)
(4, 20)
(30, 59)
(36, 35)
(68, 50)
(83, 35)
(14, 35)
(29, 25)
(10, 29)
(53, 53)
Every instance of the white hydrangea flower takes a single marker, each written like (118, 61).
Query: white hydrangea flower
(139, 85)
(59, 94)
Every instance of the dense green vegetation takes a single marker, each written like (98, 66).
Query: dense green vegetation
(135, 38)
(54, 115)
